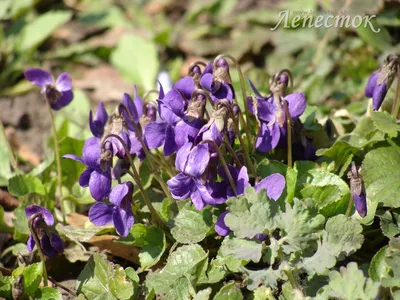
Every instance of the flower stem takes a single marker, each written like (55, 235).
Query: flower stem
(150, 157)
(232, 152)
(289, 133)
(243, 89)
(12, 157)
(236, 129)
(349, 206)
(37, 242)
(397, 95)
(297, 292)
(156, 218)
(224, 164)
(58, 161)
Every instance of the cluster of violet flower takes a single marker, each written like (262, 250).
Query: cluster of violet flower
(195, 123)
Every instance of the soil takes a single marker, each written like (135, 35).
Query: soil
(26, 121)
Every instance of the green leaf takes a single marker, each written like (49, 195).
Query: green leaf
(203, 294)
(241, 248)
(191, 226)
(41, 28)
(151, 253)
(378, 268)
(3, 226)
(180, 275)
(229, 291)
(380, 41)
(78, 234)
(71, 170)
(5, 163)
(251, 213)
(33, 277)
(4, 5)
(299, 225)
(48, 293)
(390, 223)
(24, 184)
(308, 174)
(386, 123)
(141, 68)
(133, 276)
(341, 152)
(350, 283)
(380, 173)
(341, 237)
(152, 241)
(322, 195)
(392, 259)
(6, 286)
(21, 221)
(101, 279)
(267, 277)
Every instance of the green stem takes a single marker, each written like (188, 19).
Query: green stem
(58, 161)
(232, 152)
(293, 282)
(13, 159)
(349, 206)
(37, 242)
(149, 92)
(397, 96)
(156, 218)
(243, 89)
(150, 157)
(236, 129)
(224, 164)
(289, 133)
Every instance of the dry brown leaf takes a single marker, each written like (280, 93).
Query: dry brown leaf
(22, 150)
(77, 220)
(106, 83)
(108, 244)
(8, 201)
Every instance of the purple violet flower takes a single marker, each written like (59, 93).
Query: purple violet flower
(50, 242)
(274, 184)
(179, 126)
(58, 94)
(358, 190)
(96, 175)
(273, 123)
(99, 121)
(218, 81)
(192, 163)
(188, 84)
(380, 81)
(215, 128)
(119, 212)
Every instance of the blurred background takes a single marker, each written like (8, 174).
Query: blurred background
(109, 45)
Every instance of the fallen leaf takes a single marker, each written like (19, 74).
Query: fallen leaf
(8, 201)
(23, 150)
(108, 244)
(77, 220)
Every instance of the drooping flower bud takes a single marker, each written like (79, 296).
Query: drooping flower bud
(196, 107)
(357, 190)
(380, 81)
(40, 219)
(18, 288)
